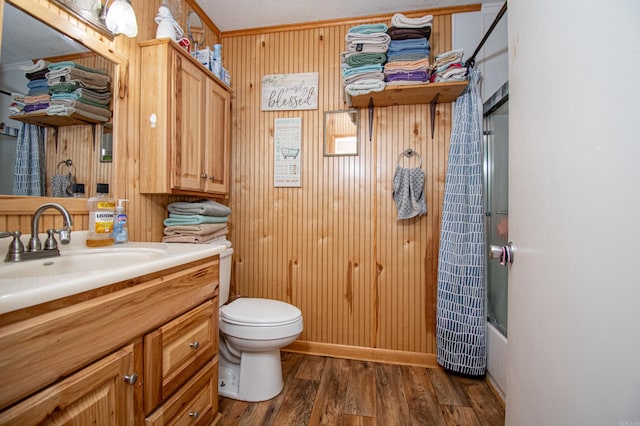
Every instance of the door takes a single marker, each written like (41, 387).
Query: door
(189, 121)
(574, 205)
(496, 163)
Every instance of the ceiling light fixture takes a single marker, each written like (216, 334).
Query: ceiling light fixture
(120, 18)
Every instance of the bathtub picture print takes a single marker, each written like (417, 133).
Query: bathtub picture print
(286, 92)
(286, 146)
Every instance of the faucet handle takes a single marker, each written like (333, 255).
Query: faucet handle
(16, 248)
(50, 243)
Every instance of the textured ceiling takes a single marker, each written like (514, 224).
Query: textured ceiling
(244, 14)
(25, 38)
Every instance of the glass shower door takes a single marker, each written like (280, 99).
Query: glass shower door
(496, 151)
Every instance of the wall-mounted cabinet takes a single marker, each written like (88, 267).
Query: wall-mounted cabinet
(185, 124)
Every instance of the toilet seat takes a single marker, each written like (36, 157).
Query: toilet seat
(256, 312)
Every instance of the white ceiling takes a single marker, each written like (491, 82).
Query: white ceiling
(25, 38)
(244, 14)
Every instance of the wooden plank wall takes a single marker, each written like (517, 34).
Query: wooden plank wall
(334, 247)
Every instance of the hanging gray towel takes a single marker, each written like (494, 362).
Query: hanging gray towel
(63, 181)
(408, 192)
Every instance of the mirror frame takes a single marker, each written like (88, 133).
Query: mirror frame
(15, 204)
(354, 111)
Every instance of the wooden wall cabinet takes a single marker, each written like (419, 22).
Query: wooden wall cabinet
(139, 351)
(185, 129)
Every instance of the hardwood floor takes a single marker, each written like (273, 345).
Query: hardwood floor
(332, 391)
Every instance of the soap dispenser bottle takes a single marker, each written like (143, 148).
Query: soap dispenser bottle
(120, 229)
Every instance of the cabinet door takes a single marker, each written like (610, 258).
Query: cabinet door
(96, 395)
(218, 138)
(189, 118)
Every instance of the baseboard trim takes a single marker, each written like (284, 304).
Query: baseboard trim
(495, 389)
(359, 353)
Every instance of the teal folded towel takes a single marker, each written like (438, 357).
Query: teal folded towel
(366, 58)
(346, 72)
(369, 28)
(182, 219)
(65, 64)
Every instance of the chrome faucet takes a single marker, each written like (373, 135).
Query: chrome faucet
(35, 250)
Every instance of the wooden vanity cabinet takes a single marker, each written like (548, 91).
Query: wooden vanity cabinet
(139, 351)
(185, 124)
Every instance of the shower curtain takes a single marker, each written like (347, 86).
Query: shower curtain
(29, 167)
(460, 312)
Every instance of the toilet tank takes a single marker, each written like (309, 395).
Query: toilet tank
(225, 275)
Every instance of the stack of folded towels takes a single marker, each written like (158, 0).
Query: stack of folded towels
(78, 89)
(409, 49)
(363, 60)
(196, 222)
(449, 67)
(37, 97)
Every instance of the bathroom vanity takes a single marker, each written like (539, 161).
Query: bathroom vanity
(139, 349)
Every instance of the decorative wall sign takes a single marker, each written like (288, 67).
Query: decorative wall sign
(283, 92)
(286, 146)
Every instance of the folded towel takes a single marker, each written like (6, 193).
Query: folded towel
(367, 58)
(181, 219)
(372, 38)
(192, 239)
(451, 56)
(200, 207)
(367, 47)
(369, 28)
(34, 84)
(70, 64)
(77, 97)
(407, 56)
(411, 43)
(347, 72)
(374, 75)
(408, 192)
(362, 87)
(64, 111)
(79, 105)
(41, 64)
(400, 21)
(405, 33)
(199, 229)
(421, 64)
(416, 76)
(102, 87)
(36, 75)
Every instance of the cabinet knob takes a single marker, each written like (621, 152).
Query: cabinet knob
(212, 178)
(194, 415)
(194, 345)
(131, 379)
(204, 176)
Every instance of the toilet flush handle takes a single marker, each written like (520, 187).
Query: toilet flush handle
(194, 345)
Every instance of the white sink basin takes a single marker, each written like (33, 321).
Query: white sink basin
(80, 261)
(78, 269)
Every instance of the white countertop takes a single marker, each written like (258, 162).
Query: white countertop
(28, 283)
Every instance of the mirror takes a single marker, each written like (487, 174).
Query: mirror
(195, 30)
(24, 39)
(341, 130)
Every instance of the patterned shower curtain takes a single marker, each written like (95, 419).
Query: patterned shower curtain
(29, 169)
(460, 312)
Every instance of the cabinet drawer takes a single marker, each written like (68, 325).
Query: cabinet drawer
(177, 350)
(194, 403)
(96, 395)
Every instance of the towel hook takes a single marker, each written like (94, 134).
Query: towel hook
(410, 153)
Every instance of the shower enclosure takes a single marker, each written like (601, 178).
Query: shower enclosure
(496, 174)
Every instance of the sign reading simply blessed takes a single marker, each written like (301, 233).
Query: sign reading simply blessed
(283, 92)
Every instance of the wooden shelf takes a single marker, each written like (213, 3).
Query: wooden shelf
(412, 94)
(40, 118)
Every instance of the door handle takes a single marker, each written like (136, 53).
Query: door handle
(504, 254)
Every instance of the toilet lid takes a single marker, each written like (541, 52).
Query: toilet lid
(259, 312)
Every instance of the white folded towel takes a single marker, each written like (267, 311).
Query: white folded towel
(39, 65)
(362, 87)
(400, 21)
(373, 38)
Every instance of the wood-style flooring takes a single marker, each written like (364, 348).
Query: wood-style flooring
(331, 391)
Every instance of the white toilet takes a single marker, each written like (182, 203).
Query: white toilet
(252, 331)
